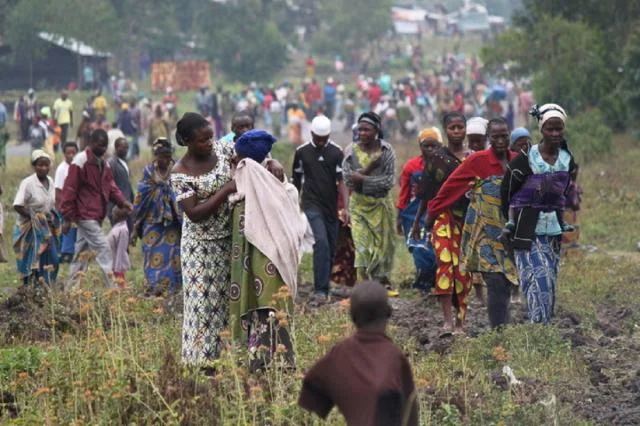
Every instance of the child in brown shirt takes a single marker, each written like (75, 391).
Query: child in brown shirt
(366, 376)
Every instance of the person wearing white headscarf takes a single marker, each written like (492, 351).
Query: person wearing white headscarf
(533, 198)
(35, 236)
(477, 133)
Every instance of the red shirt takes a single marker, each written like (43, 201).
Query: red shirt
(414, 165)
(375, 94)
(87, 189)
(314, 93)
(479, 165)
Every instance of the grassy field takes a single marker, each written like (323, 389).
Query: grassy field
(96, 357)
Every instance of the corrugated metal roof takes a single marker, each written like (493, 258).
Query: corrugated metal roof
(73, 45)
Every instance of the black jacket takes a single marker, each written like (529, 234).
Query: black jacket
(121, 178)
(527, 218)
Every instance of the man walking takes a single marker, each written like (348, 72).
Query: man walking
(63, 114)
(317, 170)
(88, 188)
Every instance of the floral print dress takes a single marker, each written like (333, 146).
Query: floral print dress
(206, 263)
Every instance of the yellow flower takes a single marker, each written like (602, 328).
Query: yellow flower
(323, 339)
(500, 354)
(42, 391)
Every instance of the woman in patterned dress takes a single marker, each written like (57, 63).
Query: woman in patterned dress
(201, 181)
(268, 235)
(158, 223)
(369, 171)
(452, 284)
(535, 188)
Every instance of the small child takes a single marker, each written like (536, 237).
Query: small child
(118, 240)
(366, 375)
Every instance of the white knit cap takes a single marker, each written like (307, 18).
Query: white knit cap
(477, 126)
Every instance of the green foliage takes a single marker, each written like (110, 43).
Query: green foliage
(631, 69)
(572, 49)
(93, 22)
(351, 24)
(16, 360)
(589, 136)
(242, 43)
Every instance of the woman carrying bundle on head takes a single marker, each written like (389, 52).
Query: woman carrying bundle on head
(158, 222)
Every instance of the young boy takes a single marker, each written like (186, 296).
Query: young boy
(118, 240)
(69, 149)
(366, 376)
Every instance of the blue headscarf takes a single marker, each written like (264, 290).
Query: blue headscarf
(517, 133)
(255, 144)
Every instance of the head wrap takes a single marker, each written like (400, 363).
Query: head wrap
(161, 146)
(517, 133)
(430, 133)
(477, 126)
(255, 144)
(45, 110)
(38, 154)
(547, 111)
(373, 119)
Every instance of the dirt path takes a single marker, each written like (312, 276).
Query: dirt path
(610, 350)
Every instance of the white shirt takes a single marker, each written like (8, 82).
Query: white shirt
(33, 195)
(124, 164)
(61, 174)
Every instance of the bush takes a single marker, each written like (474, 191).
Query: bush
(588, 135)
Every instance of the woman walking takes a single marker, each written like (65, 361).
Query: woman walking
(479, 178)
(369, 172)
(409, 201)
(535, 188)
(201, 182)
(35, 239)
(158, 222)
(452, 284)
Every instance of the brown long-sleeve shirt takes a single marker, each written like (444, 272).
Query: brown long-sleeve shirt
(368, 378)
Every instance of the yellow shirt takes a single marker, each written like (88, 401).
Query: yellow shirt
(100, 105)
(62, 110)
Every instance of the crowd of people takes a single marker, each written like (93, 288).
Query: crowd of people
(479, 206)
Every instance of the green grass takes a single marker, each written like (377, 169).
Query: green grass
(120, 364)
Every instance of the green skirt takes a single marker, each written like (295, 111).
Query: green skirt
(260, 301)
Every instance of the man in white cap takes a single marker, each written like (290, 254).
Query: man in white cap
(317, 171)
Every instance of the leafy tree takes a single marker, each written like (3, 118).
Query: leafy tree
(94, 22)
(243, 44)
(631, 70)
(351, 24)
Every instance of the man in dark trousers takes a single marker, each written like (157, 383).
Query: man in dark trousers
(317, 170)
(121, 176)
